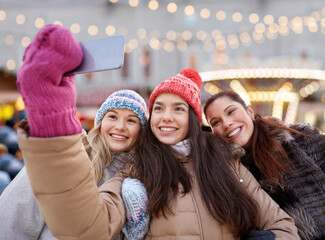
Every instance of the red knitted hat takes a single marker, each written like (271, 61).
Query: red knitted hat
(186, 84)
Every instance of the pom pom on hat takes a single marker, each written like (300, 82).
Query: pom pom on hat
(187, 84)
(124, 99)
(193, 75)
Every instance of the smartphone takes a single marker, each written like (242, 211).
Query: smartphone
(101, 55)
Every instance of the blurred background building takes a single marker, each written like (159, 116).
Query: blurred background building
(270, 51)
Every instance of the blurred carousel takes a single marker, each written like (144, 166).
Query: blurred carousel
(290, 94)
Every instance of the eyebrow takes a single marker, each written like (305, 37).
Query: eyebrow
(174, 104)
(130, 115)
(111, 110)
(228, 107)
(223, 110)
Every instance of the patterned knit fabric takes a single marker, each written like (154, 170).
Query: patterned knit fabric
(187, 84)
(135, 200)
(49, 95)
(125, 99)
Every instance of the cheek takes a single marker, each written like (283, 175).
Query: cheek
(153, 121)
(185, 125)
(217, 131)
(250, 128)
(134, 131)
(102, 130)
(105, 126)
(151, 124)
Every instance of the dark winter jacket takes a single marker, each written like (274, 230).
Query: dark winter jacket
(304, 196)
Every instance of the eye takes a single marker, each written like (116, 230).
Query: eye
(231, 111)
(214, 123)
(157, 108)
(179, 109)
(112, 116)
(131, 120)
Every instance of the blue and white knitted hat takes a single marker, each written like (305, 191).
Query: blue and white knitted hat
(124, 99)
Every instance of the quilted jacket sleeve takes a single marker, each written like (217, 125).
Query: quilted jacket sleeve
(59, 171)
(271, 216)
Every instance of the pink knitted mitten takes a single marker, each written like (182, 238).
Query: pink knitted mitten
(49, 97)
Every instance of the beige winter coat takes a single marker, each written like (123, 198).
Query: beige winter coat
(60, 174)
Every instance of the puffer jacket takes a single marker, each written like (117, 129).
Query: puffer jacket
(304, 196)
(75, 209)
(20, 218)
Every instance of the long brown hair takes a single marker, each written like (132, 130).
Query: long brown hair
(268, 154)
(161, 171)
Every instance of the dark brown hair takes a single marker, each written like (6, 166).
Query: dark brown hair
(268, 154)
(161, 170)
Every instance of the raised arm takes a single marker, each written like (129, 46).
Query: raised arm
(57, 164)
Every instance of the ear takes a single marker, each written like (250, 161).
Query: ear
(250, 112)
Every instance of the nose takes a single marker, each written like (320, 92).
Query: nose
(120, 125)
(227, 123)
(167, 116)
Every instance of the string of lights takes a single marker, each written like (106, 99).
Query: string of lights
(264, 27)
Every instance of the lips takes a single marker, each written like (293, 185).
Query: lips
(234, 132)
(116, 136)
(167, 129)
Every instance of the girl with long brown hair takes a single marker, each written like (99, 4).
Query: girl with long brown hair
(288, 161)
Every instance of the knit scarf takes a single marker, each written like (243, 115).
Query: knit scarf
(118, 161)
(183, 147)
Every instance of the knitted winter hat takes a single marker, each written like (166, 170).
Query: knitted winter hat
(127, 99)
(187, 84)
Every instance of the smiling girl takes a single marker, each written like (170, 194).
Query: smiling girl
(288, 162)
(118, 124)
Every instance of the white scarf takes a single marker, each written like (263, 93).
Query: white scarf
(183, 147)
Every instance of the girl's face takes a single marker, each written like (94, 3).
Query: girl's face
(170, 118)
(230, 120)
(120, 128)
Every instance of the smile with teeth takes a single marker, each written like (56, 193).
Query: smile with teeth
(167, 129)
(234, 132)
(118, 136)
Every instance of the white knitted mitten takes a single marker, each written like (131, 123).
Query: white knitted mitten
(135, 200)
